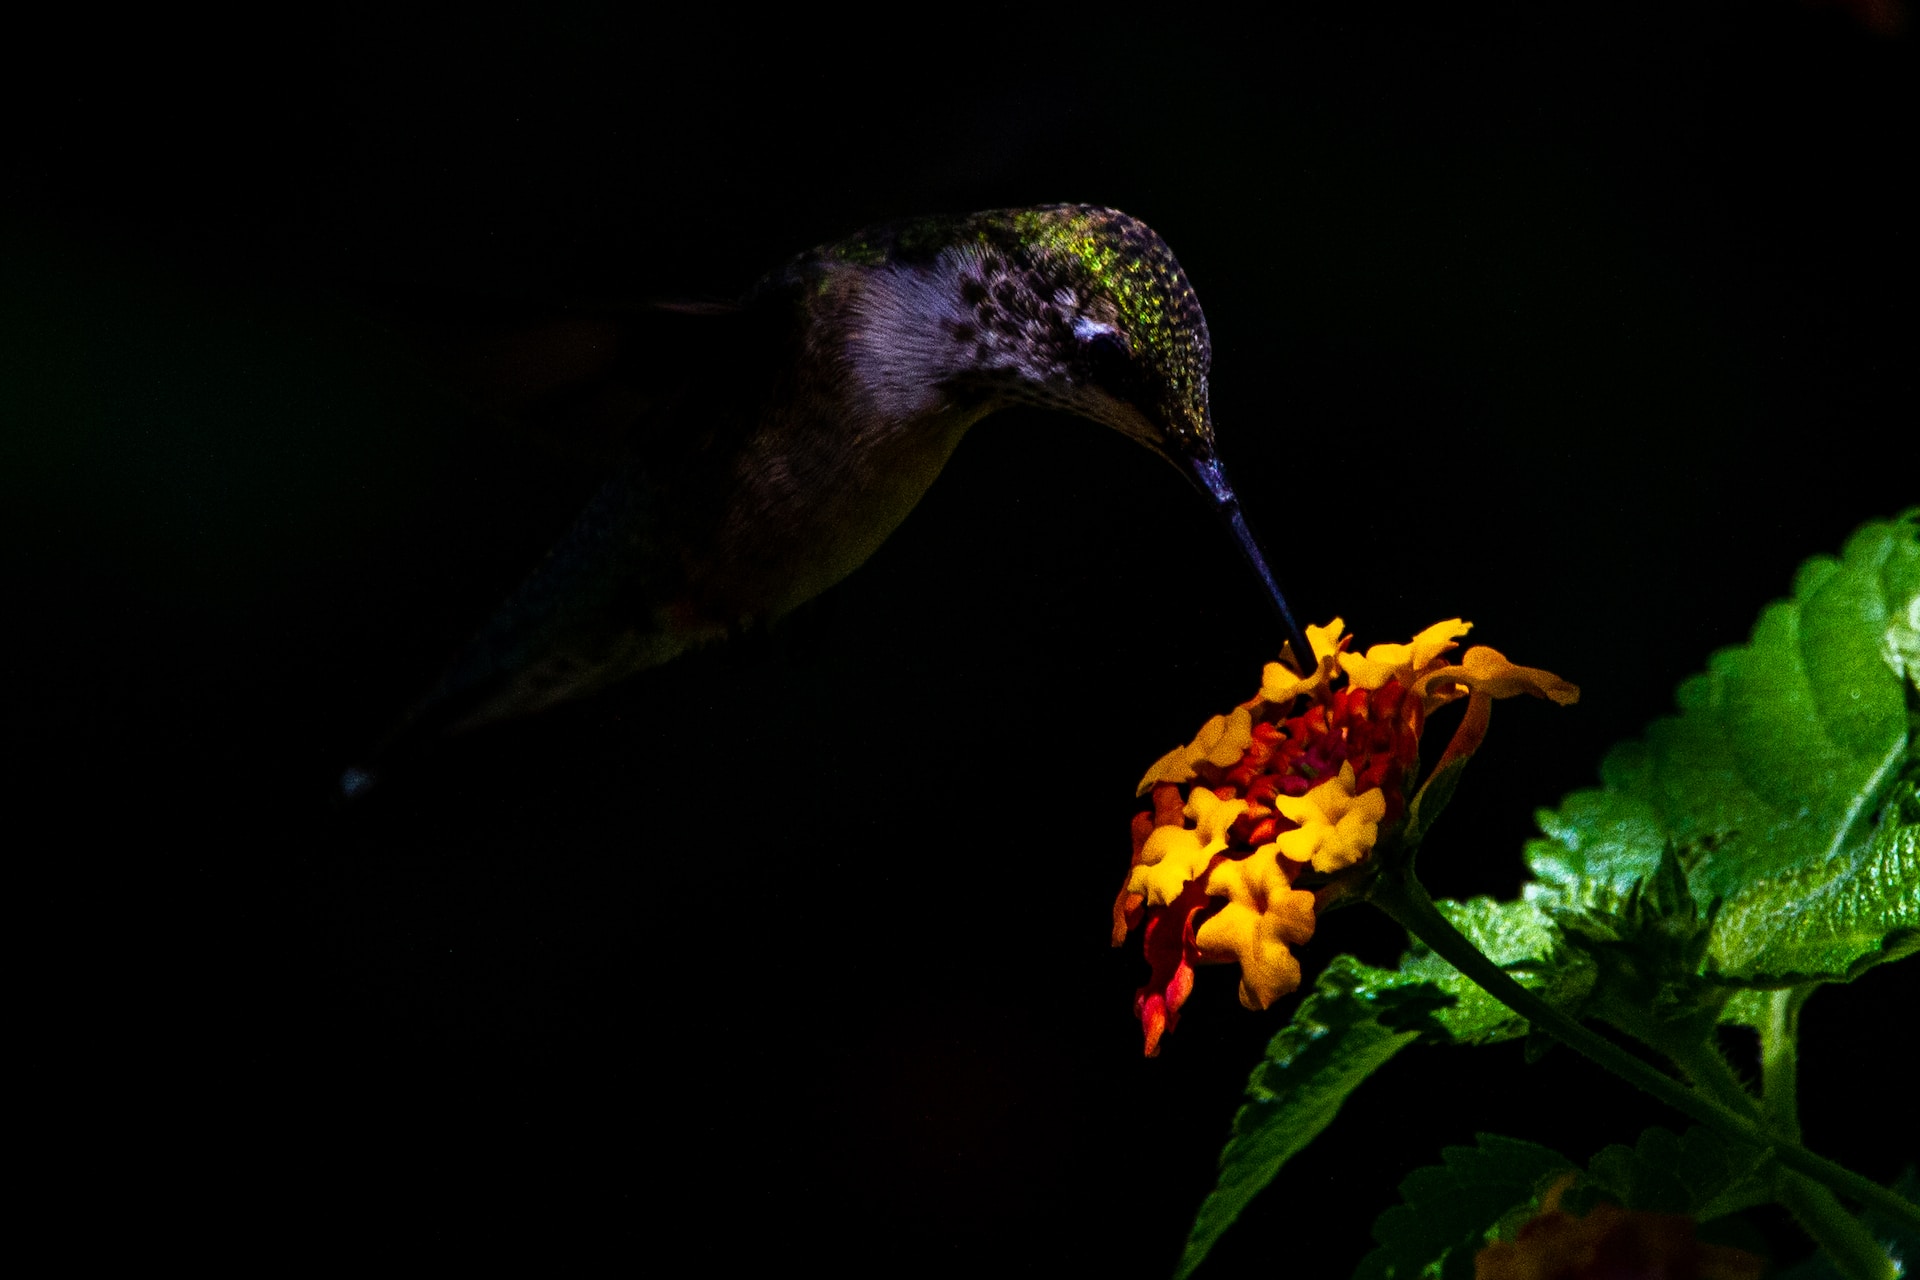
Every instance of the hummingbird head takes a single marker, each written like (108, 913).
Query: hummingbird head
(1087, 310)
(1069, 307)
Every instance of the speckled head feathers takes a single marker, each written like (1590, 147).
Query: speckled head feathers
(1072, 306)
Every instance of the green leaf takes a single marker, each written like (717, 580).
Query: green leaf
(1648, 945)
(1772, 786)
(1449, 1209)
(1747, 1007)
(1518, 937)
(1699, 1173)
(1335, 1040)
(1358, 1018)
(1657, 922)
(1478, 1193)
(1860, 909)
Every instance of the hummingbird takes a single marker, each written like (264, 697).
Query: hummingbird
(811, 416)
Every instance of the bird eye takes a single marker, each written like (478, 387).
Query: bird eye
(1108, 357)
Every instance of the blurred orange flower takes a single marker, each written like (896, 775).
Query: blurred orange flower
(1610, 1242)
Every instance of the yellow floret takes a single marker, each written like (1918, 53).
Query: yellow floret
(1173, 856)
(1337, 828)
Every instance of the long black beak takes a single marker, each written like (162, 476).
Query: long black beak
(1211, 480)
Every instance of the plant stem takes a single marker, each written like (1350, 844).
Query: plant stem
(1707, 1067)
(1780, 1060)
(1852, 1247)
(1403, 898)
(1840, 1235)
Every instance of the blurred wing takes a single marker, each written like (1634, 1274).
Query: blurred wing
(668, 395)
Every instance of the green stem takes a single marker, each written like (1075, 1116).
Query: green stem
(1852, 1247)
(1402, 897)
(1840, 1235)
(1704, 1064)
(1780, 1060)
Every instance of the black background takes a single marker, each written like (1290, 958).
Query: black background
(794, 953)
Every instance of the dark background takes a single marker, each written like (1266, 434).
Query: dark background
(794, 953)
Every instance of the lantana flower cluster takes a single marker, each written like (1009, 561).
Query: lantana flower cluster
(1291, 791)
(1610, 1242)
